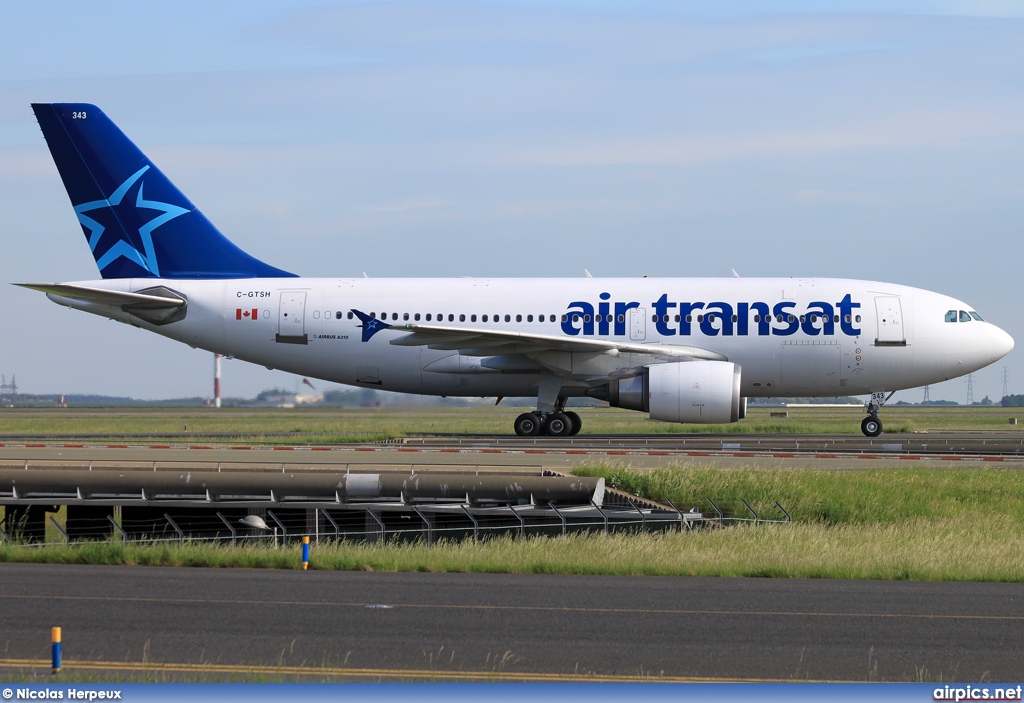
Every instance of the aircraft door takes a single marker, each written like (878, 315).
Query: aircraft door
(291, 318)
(890, 322)
(637, 324)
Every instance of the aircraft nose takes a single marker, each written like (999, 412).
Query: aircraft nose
(1002, 343)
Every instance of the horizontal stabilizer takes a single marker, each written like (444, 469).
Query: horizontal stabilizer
(107, 297)
(158, 305)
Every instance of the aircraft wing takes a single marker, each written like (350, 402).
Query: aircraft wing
(461, 339)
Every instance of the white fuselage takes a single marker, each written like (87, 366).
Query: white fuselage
(791, 337)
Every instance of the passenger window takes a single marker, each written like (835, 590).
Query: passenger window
(451, 317)
(654, 318)
(735, 318)
(508, 318)
(429, 317)
(858, 318)
(529, 318)
(951, 316)
(472, 318)
(405, 317)
(565, 318)
(484, 318)
(700, 318)
(417, 317)
(462, 318)
(757, 318)
(976, 316)
(519, 318)
(964, 317)
(622, 318)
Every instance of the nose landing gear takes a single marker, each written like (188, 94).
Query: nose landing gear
(871, 426)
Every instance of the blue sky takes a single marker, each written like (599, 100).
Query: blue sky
(877, 140)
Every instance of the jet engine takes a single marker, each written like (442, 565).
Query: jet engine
(688, 391)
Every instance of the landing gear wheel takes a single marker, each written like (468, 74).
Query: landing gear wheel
(557, 425)
(871, 426)
(527, 425)
(576, 422)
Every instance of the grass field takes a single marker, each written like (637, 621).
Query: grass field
(327, 425)
(943, 524)
(955, 549)
(900, 523)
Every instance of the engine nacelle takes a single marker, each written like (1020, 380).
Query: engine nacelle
(688, 391)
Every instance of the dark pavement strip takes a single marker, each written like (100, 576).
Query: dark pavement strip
(626, 626)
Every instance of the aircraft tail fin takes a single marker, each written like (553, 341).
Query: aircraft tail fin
(137, 223)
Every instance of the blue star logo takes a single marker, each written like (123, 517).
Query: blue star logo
(371, 325)
(146, 258)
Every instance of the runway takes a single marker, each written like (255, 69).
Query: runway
(402, 626)
(504, 454)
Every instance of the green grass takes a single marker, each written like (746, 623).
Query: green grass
(945, 524)
(337, 425)
(951, 524)
(864, 497)
(955, 549)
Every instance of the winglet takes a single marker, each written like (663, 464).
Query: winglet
(371, 325)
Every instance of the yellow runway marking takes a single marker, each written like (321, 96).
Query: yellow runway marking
(517, 608)
(71, 666)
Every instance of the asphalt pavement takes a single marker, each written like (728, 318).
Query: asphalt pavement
(499, 627)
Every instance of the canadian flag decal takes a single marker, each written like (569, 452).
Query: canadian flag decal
(241, 314)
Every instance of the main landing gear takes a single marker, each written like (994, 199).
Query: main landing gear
(871, 425)
(560, 423)
(550, 418)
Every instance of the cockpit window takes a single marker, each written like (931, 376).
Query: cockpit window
(976, 316)
(951, 316)
(964, 317)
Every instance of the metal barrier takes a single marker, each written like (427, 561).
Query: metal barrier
(377, 522)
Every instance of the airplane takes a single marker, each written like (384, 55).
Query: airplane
(684, 350)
